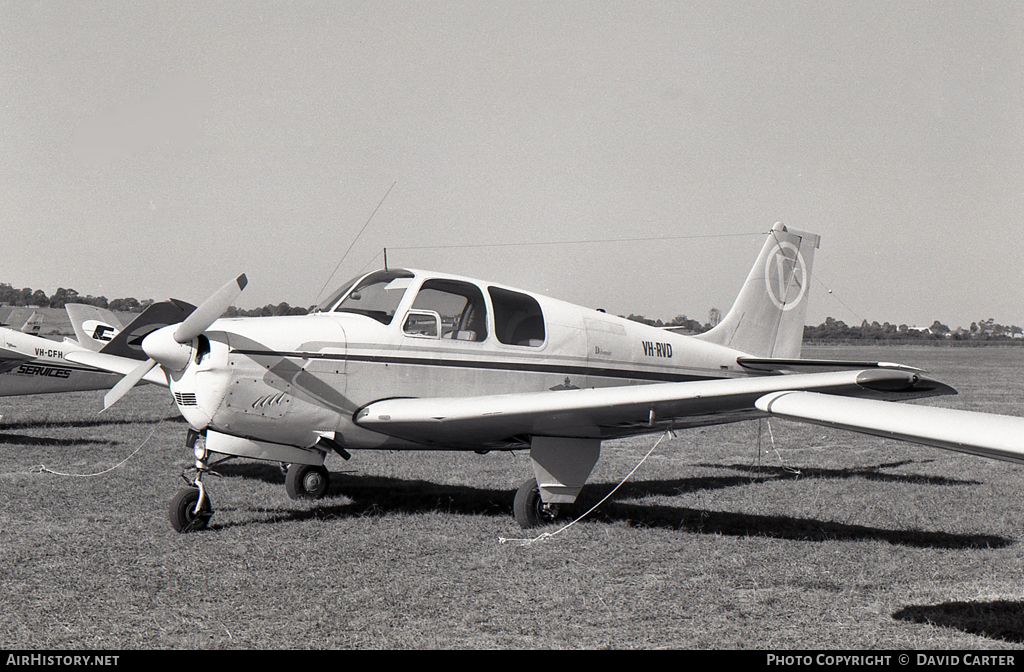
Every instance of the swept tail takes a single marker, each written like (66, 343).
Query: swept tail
(767, 319)
(94, 326)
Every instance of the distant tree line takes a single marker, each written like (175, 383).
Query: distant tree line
(11, 296)
(832, 329)
(27, 297)
(982, 330)
(267, 311)
(681, 322)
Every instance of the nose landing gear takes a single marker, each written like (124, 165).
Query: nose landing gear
(191, 509)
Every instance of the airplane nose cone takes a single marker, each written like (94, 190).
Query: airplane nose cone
(161, 347)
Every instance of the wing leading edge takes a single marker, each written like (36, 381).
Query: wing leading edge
(612, 412)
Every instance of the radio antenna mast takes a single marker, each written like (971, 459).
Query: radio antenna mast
(352, 244)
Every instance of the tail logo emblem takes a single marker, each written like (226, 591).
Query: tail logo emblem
(785, 276)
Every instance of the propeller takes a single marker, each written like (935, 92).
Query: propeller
(169, 347)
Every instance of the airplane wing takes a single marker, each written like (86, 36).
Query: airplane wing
(998, 437)
(115, 364)
(10, 358)
(612, 412)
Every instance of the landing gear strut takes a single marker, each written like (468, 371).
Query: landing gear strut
(307, 481)
(530, 510)
(191, 509)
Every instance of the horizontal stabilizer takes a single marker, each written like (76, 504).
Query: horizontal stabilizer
(773, 364)
(999, 437)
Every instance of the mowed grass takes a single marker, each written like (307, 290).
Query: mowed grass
(722, 539)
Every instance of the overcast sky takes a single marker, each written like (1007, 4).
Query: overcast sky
(156, 149)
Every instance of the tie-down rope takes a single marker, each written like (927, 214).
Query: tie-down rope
(548, 535)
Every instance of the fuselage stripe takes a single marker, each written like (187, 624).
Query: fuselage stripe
(561, 369)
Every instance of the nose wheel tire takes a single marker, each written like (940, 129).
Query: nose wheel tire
(306, 481)
(530, 510)
(183, 514)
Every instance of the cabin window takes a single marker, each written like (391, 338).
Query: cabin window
(422, 324)
(377, 295)
(518, 319)
(458, 305)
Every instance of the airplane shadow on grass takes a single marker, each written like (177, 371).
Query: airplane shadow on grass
(998, 619)
(16, 439)
(96, 422)
(871, 473)
(25, 440)
(374, 496)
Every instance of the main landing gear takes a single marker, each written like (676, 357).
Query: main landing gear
(530, 510)
(307, 481)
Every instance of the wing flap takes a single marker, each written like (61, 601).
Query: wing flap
(995, 436)
(612, 412)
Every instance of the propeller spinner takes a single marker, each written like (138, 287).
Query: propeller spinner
(170, 347)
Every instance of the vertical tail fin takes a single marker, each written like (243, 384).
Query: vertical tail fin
(767, 319)
(33, 325)
(128, 341)
(94, 326)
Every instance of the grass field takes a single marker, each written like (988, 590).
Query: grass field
(721, 540)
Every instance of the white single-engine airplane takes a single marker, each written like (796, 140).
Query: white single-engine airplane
(410, 360)
(31, 364)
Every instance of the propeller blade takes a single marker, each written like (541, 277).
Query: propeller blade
(127, 383)
(209, 310)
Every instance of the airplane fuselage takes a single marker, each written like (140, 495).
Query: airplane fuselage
(37, 365)
(291, 380)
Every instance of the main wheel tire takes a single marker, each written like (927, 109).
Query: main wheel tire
(306, 481)
(530, 510)
(184, 517)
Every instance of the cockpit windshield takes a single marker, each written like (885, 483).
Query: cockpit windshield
(328, 303)
(377, 295)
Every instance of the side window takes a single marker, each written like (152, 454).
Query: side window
(518, 319)
(422, 324)
(458, 306)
